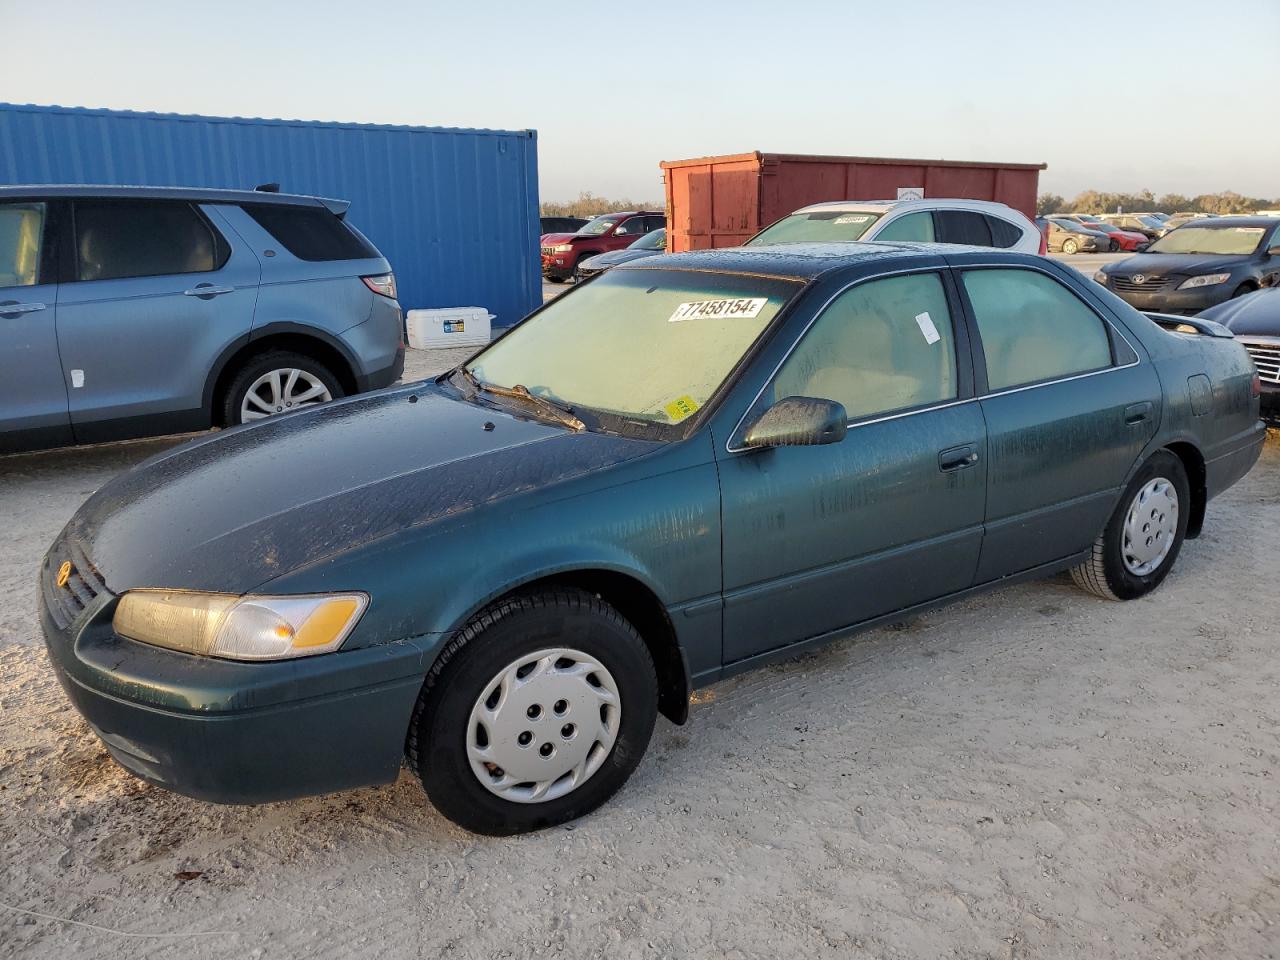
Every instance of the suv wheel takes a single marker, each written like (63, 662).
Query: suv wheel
(278, 381)
(534, 714)
(1142, 539)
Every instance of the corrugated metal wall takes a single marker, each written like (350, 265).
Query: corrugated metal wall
(455, 211)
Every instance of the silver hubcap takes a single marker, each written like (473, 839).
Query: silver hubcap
(543, 726)
(1150, 527)
(280, 391)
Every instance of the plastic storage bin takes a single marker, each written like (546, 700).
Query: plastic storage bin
(445, 327)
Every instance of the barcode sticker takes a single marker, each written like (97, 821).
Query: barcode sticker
(719, 309)
(852, 218)
(925, 322)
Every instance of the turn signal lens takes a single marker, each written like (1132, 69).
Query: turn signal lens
(239, 628)
(1255, 390)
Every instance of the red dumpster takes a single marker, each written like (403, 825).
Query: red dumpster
(723, 201)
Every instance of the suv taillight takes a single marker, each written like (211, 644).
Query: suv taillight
(383, 284)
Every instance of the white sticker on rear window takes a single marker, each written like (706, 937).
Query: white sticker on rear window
(925, 323)
(1249, 231)
(852, 218)
(740, 307)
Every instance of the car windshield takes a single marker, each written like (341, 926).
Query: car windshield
(651, 241)
(816, 227)
(636, 348)
(599, 225)
(1212, 240)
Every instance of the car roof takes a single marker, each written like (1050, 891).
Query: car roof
(630, 213)
(884, 206)
(806, 261)
(1240, 220)
(193, 194)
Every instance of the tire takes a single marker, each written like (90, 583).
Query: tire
(1107, 573)
(577, 276)
(1113, 246)
(449, 744)
(1070, 247)
(310, 375)
(556, 279)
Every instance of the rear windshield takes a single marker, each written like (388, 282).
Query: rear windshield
(816, 227)
(1219, 240)
(311, 233)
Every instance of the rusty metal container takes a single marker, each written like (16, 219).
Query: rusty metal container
(723, 201)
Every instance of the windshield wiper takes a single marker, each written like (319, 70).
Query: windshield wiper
(560, 414)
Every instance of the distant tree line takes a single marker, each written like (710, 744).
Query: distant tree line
(588, 205)
(1095, 201)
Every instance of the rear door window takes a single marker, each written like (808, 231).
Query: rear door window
(310, 233)
(654, 223)
(1003, 233)
(912, 227)
(962, 226)
(21, 238)
(1033, 328)
(882, 346)
(115, 239)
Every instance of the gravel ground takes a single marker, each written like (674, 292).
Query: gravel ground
(1033, 773)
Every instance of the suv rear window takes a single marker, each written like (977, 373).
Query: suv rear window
(143, 238)
(1003, 233)
(310, 233)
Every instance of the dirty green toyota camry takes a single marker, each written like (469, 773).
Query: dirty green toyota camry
(680, 470)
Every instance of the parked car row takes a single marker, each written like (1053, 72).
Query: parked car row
(563, 253)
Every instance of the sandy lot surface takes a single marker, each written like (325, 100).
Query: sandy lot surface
(1034, 773)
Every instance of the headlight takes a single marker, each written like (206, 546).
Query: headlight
(1208, 280)
(238, 628)
(562, 248)
(1100, 277)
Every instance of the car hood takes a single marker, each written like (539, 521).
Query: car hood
(615, 257)
(1255, 313)
(552, 238)
(240, 508)
(1161, 264)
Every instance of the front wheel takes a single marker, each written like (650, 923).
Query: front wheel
(1070, 247)
(1113, 246)
(1141, 541)
(536, 713)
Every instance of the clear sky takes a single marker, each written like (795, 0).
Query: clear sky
(1175, 96)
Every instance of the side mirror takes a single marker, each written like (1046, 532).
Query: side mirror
(798, 422)
(1273, 251)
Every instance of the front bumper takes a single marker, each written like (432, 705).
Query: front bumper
(1185, 302)
(230, 732)
(558, 265)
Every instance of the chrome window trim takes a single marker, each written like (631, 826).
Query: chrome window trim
(854, 424)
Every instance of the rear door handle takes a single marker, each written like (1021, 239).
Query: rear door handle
(13, 308)
(1137, 412)
(207, 290)
(957, 458)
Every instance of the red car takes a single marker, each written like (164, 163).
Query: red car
(1120, 239)
(562, 252)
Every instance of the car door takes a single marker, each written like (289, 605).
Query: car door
(1069, 405)
(33, 399)
(818, 538)
(157, 292)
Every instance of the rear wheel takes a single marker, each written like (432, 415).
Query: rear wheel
(536, 713)
(1141, 541)
(1070, 246)
(278, 381)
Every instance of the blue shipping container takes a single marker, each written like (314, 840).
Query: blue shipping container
(455, 211)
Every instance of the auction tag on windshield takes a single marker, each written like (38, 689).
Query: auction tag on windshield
(719, 309)
(852, 218)
(681, 408)
(1249, 231)
(925, 322)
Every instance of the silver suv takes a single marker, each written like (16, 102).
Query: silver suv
(136, 311)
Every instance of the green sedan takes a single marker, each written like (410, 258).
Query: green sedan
(678, 471)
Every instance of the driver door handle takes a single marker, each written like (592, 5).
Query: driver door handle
(207, 290)
(1137, 412)
(958, 458)
(13, 308)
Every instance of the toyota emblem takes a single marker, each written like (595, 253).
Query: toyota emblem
(1139, 278)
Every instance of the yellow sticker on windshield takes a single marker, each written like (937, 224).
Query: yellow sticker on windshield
(681, 408)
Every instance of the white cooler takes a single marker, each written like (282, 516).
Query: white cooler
(445, 327)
